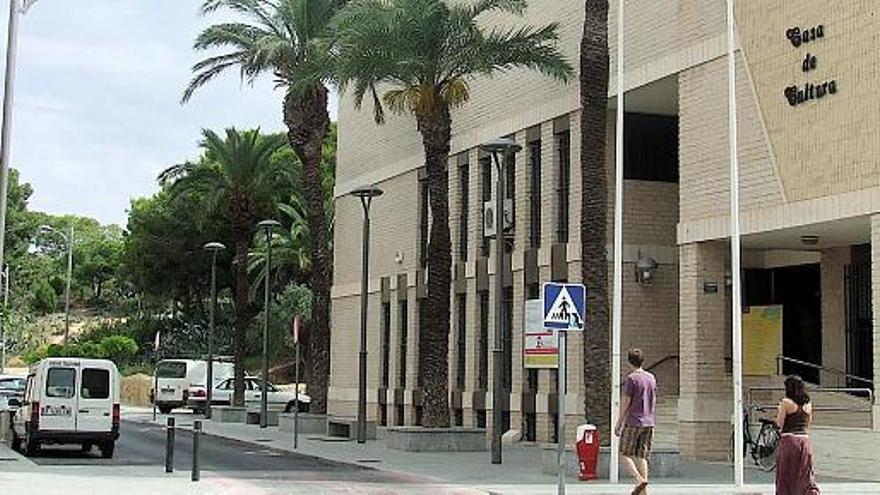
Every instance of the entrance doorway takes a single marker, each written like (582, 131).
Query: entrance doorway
(798, 290)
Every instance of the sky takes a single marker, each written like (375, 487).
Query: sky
(97, 111)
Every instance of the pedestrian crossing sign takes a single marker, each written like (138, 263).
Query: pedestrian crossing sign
(564, 306)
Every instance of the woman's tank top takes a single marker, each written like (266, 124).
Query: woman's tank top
(796, 422)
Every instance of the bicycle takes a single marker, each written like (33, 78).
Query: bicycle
(763, 448)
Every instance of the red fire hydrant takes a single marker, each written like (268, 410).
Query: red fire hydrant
(587, 446)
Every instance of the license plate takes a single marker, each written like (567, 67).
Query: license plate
(55, 411)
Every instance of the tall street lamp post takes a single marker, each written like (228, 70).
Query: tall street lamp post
(366, 195)
(267, 226)
(213, 248)
(16, 8)
(506, 148)
(69, 240)
(3, 319)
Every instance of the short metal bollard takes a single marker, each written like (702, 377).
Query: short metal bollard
(169, 447)
(197, 432)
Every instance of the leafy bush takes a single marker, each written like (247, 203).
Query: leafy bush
(118, 348)
(45, 299)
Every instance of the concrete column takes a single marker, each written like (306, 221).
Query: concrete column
(706, 389)
(875, 299)
(832, 267)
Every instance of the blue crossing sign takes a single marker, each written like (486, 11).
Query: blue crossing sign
(564, 306)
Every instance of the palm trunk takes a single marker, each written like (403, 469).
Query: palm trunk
(308, 123)
(434, 338)
(594, 211)
(242, 311)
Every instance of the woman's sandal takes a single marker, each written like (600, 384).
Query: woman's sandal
(639, 488)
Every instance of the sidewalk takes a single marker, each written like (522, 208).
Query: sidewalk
(520, 473)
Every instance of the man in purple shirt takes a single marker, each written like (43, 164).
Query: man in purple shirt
(635, 425)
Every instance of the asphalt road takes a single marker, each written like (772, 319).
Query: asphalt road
(144, 445)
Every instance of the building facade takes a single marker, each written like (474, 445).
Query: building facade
(808, 114)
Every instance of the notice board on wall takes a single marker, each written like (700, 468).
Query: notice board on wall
(762, 339)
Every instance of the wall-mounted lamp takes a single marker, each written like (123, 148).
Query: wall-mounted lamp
(398, 257)
(645, 268)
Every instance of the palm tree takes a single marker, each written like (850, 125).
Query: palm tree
(427, 51)
(240, 180)
(594, 211)
(277, 37)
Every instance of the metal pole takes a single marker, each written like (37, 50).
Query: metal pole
(735, 251)
(3, 319)
(209, 386)
(617, 290)
(169, 446)
(264, 396)
(362, 354)
(497, 350)
(197, 430)
(560, 414)
(67, 288)
(296, 395)
(155, 385)
(6, 130)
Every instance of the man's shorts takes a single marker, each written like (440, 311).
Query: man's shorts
(635, 441)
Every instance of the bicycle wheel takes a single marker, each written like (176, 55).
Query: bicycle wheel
(766, 450)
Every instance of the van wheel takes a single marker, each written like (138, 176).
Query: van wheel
(107, 449)
(165, 409)
(86, 447)
(31, 447)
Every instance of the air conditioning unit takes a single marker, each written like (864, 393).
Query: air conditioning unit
(489, 217)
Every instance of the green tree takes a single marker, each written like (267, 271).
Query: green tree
(425, 52)
(241, 181)
(118, 348)
(278, 37)
(594, 210)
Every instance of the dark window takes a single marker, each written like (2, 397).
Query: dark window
(481, 418)
(399, 414)
(95, 384)
(651, 151)
(533, 291)
(461, 344)
(507, 340)
(61, 383)
(421, 306)
(510, 194)
(383, 415)
(404, 323)
(458, 417)
(171, 369)
(423, 222)
(563, 185)
(486, 186)
(386, 342)
(464, 191)
(535, 194)
(483, 376)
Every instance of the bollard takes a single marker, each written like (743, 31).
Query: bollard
(197, 430)
(169, 447)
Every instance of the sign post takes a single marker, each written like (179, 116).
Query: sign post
(564, 310)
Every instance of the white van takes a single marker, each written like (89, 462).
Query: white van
(69, 400)
(174, 377)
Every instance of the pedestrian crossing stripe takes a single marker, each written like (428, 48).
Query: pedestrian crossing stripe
(564, 306)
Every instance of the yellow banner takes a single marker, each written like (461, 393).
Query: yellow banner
(762, 339)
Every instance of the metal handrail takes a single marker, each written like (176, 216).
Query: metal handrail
(780, 359)
(661, 361)
(849, 390)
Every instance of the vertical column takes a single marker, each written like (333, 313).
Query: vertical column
(875, 300)
(832, 268)
(704, 411)
(412, 354)
(549, 179)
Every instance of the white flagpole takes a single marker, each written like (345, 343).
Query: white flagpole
(617, 291)
(736, 297)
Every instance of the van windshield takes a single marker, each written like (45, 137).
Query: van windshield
(60, 382)
(95, 384)
(171, 369)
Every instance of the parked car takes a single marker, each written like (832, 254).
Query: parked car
(277, 400)
(69, 400)
(12, 390)
(175, 377)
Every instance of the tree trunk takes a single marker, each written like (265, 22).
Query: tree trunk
(308, 123)
(242, 311)
(594, 211)
(434, 348)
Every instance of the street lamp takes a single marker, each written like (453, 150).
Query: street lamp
(213, 248)
(15, 10)
(506, 147)
(267, 226)
(68, 239)
(366, 195)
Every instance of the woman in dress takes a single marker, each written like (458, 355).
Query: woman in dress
(794, 467)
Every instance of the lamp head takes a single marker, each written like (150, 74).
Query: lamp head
(501, 145)
(269, 224)
(214, 247)
(367, 192)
